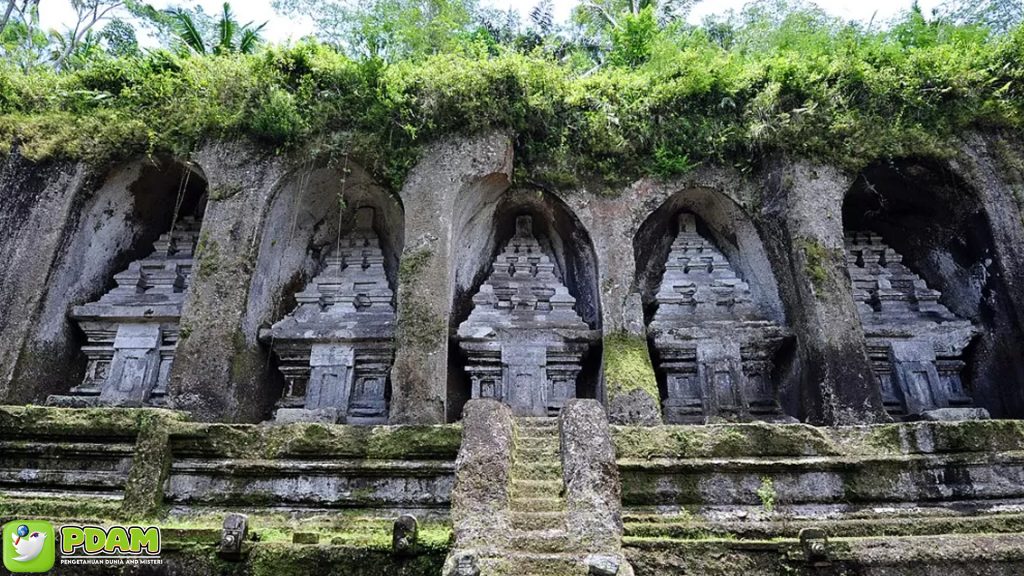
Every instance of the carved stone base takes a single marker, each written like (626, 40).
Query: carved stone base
(321, 416)
(955, 414)
(60, 401)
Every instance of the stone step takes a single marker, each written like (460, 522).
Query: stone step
(550, 540)
(536, 456)
(545, 424)
(538, 442)
(77, 479)
(537, 470)
(519, 563)
(553, 438)
(538, 520)
(536, 488)
(106, 450)
(537, 505)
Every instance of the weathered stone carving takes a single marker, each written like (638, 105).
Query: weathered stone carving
(915, 342)
(524, 340)
(336, 348)
(132, 331)
(233, 536)
(404, 535)
(715, 346)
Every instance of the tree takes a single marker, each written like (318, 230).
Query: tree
(622, 32)
(633, 38)
(607, 14)
(85, 49)
(543, 17)
(1000, 16)
(225, 36)
(17, 9)
(88, 13)
(388, 29)
(120, 39)
(21, 39)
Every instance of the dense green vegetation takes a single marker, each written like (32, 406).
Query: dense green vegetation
(645, 94)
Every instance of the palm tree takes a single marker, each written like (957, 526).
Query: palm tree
(606, 13)
(228, 30)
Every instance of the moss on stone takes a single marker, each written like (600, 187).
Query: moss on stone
(931, 437)
(348, 544)
(78, 422)
(721, 441)
(816, 262)
(413, 263)
(415, 441)
(151, 463)
(627, 366)
(207, 256)
(878, 524)
(325, 440)
(643, 488)
(956, 555)
(223, 191)
(246, 361)
(419, 327)
(92, 509)
(274, 559)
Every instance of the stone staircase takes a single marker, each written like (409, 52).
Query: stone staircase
(517, 512)
(539, 544)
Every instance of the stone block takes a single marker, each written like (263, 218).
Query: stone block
(955, 414)
(483, 476)
(404, 535)
(591, 475)
(233, 536)
(320, 416)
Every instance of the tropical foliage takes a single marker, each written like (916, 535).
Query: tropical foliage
(228, 36)
(655, 96)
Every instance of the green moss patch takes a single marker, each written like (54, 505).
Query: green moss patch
(81, 509)
(791, 81)
(627, 366)
(79, 422)
(816, 262)
(321, 440)
(721, 441)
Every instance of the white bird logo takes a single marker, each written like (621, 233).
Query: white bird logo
(28, 546)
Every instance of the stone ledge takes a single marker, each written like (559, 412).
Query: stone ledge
(956, 555)
(758, 526)
(35, 421)
(317, 441)
(758, 440)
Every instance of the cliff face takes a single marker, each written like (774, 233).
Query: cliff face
(795, 292)
(956, 224)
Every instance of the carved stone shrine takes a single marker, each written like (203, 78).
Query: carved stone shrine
(915, 343)
(132, 331)
(524, 340)
(716, 348)
(336, 348)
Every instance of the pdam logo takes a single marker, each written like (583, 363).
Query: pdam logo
(29, 546)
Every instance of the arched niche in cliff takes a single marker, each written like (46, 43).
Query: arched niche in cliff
(931, 264)
(322, 296)
(558, 288)
(120, 284)
(716, 327)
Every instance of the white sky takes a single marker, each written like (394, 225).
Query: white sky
(58, 13)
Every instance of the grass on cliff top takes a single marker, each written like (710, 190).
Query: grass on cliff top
(808, 86)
